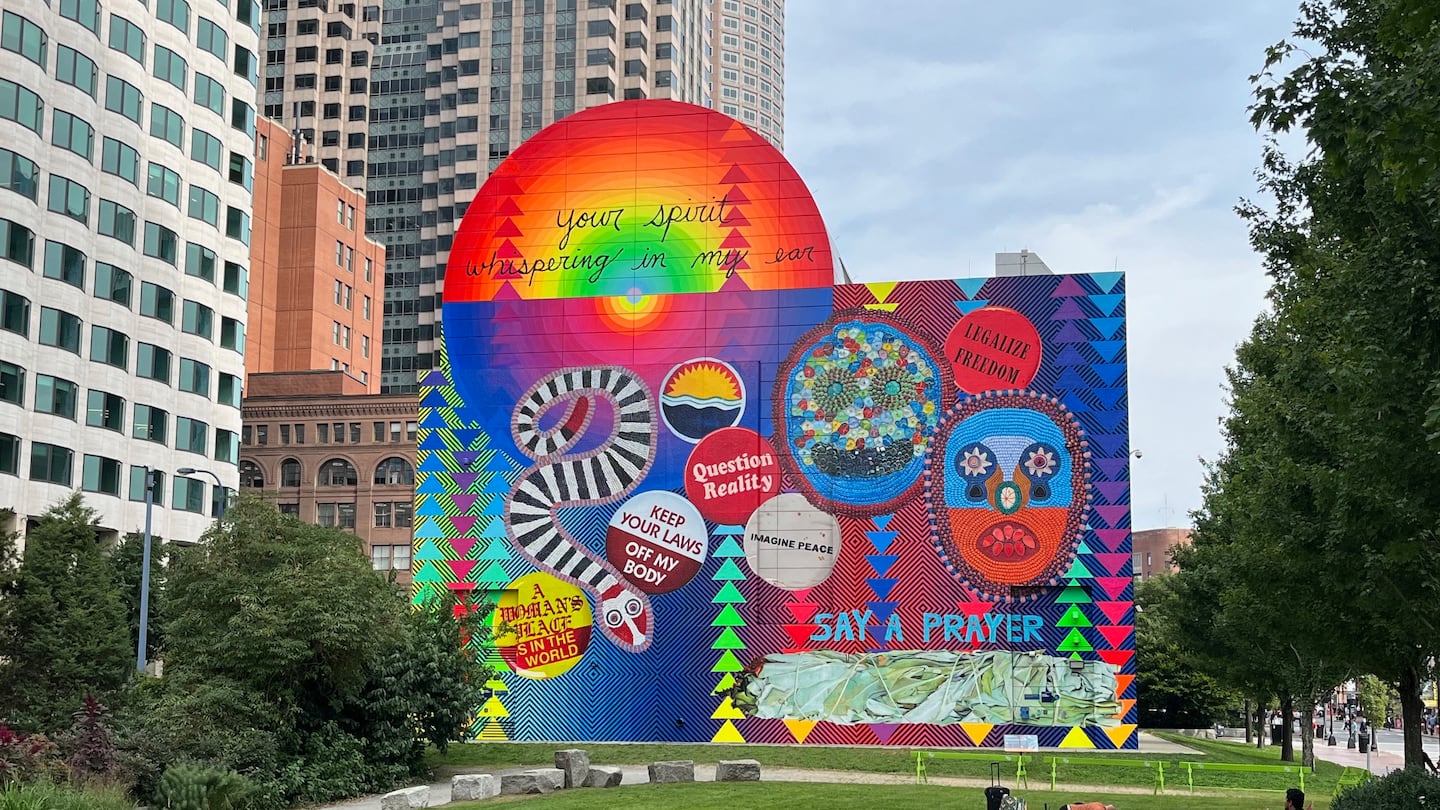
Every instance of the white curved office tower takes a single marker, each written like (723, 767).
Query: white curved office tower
(127, 137)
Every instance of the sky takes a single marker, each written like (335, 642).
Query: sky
(1109, 134)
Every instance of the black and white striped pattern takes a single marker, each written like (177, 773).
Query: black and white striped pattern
(606, 474)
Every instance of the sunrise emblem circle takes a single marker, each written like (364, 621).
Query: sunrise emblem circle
(701, 396)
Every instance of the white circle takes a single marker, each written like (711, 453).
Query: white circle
(791, 544)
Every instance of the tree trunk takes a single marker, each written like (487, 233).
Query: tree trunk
(1287, 722)
(1248, 719)
(1307, 736)
(1262, 724)
(1411, 707)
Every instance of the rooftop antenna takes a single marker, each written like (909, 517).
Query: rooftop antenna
(1167, 511)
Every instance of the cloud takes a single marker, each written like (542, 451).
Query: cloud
(938, 133)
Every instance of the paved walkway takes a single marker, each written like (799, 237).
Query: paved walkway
(639, 775)
(1379, 762)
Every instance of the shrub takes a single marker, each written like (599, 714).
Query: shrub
(1401, 790)
(197, 787)
(92, 753)
(23, 759)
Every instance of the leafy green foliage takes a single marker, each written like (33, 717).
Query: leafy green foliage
(1315, 551)
(1172, 689)
(192, 787)
(293, 663)
(1405, 789)
(126, 562)
(62, 630)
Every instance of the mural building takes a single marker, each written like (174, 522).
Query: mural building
(718, 497)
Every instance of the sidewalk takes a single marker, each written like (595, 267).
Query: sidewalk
(1381, 762)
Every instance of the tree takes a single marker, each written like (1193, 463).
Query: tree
(1172, 689)
(126, 562)
(63, 632)
(1351, 246)
(292, 662)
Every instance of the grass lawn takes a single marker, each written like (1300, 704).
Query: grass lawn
(784, 795)
(887, 760)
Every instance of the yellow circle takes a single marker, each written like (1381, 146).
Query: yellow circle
(542, 626)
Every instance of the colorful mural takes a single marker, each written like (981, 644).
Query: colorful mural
(724, 500)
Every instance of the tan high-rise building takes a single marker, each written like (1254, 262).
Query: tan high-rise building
(749, 39)
(316, 283)
(317, 78)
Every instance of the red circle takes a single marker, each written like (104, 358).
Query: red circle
(993, 348)
(730, 473)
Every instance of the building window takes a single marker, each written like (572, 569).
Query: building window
(212, 38)
(127, 38)
(229, 390)
(59, 329)
(169, 66)
(122, 97)
(19, 174)
(194, 377)
(22, 106)
(161, 243)
(191, 435)
(232, 335)
(337, 472)
(85, 12)
(26, 38)
(9, 454)
(393, 471)
(390, 558)
(167, 125)
(14, 313)
(205, 148)
(112, 283)
(251, 475)
(175, 12)
(105, 410)
(100, 474)
(290, 472)
(51, 463)
(335, 515)
(73, 133)
(197, 319)
(227, 446)
(157, 302)
(56, 396)
(199, 260)
(153, 362)
(150, 424)
(137, 484)
(109, 347)
(17, 243)
(64, 263)
(12, 383)
(117, 222)
(188, 495)
(69, 198)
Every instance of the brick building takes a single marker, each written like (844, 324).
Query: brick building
(332, 454)
(1151, 549)
(317, 283)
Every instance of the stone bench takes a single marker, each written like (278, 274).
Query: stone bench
(574, 763)
(474, 786)
(737, 770)
(601, 776)
(538, 780)
(406, 799)
(672, 771)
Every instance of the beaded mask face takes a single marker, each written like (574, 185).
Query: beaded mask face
(1008, 491)
(857, 402)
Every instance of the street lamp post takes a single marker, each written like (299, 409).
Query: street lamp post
(220, 511)
(145, 574)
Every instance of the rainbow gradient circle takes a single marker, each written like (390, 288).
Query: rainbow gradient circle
(635, 199)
